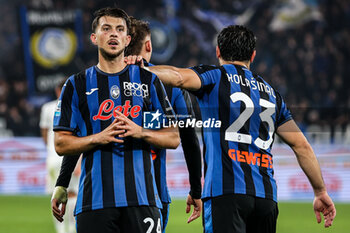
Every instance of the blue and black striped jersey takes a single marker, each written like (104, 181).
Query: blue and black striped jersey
(115, 175)
(183, 107)
(238, 155)
(181, 102)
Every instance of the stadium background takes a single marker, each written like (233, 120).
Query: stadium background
(303, 51)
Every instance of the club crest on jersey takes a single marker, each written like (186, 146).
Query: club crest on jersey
(115, 92)
(107, 110)
(135, 89)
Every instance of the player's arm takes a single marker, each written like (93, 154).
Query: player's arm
(170, 75)
(178, 77)
(67, 168)
(60, 195)
(162, 138)
(66, 143)
(291, 134)
(192, 153)
(182, 102)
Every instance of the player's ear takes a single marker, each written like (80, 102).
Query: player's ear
(93, 38)
(148, 46)
(218, 54)
(128, 39)
(253, 56)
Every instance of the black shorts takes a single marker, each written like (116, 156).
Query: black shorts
(133, 219)
(238, 213)
(165, 215)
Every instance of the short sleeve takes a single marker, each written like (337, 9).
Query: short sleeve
(283, 112)
(209, 76)
(67, 110)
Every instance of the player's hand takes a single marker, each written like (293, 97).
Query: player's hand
(324, 204)
(129, 127)
(110, 133)
(197, 208)
(59, 197)
(134, 60)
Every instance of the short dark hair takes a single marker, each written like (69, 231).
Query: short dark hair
(236, 43)
(139, 30)
(113, 12)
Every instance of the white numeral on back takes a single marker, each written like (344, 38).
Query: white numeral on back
(150, 220)
(231, 133)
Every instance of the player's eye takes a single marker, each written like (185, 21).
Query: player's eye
(105, 28)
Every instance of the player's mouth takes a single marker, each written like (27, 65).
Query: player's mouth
(113, 43)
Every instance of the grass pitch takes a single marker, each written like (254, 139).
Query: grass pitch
(32, 214)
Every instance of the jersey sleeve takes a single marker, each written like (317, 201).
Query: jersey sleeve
(283, 112)
(182, 104)
(67, 168)
(160, 100)
(67, 110)
(209, 76)
(192, 153)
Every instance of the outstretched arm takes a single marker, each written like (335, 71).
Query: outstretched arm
(291, 134)
(170, 75)
(181, 77)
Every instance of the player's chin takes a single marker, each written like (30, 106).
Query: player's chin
(109, 53)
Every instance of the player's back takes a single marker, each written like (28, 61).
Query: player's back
(238, 155)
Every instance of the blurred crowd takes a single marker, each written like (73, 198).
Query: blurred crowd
(306, 63)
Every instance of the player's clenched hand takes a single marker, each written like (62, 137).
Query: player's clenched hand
(133, 59)
(59, 197)
(131, 128)
(197, 208)
(110, 133)
(324, 204)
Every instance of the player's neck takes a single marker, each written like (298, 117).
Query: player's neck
(111, 66)
(240, 63)
(145, 55)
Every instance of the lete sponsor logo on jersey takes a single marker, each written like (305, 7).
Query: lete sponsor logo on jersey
(107, 110)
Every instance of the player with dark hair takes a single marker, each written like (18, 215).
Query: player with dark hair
(141, 44)
(180, 100)
(240, 192)
(100, 115)
(141, 39)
